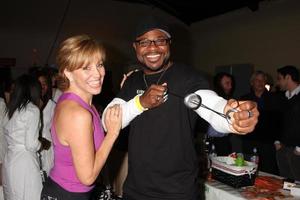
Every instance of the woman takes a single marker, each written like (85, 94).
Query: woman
(45, 81)
(21, 175)
(3, 144)
(80, 148)
(48, 103)
(225, 144)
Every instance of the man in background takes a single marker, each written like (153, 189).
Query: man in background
(288, 147)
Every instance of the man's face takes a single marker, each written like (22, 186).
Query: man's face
(282, 82)
(258, 83)
(153, 55)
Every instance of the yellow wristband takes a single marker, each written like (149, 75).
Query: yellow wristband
(138, 103)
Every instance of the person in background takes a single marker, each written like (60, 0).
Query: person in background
(288, 145)
(162, 160)
(8, 88)
(267, 128)
(45, 81)
(47, 105)
(42, 75)
(21, 174)
(80, 147)
(225, 144)
(3, 145)
(224, 85)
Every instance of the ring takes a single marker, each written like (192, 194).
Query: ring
(250, 114)
(157, 98)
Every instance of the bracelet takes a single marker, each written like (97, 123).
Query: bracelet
(138, 103)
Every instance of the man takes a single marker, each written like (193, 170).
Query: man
(267, 128)
(162, 159)
(288, 148)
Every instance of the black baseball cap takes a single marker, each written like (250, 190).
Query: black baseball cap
(150, 23)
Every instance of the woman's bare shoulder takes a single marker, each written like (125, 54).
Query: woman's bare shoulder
(73, 112)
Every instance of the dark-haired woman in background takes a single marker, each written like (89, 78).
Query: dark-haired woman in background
(3, 144)
(48, 103)
(21, 175)
(224, 85)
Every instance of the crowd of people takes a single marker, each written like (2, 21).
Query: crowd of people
(53, 115)
(276, 130)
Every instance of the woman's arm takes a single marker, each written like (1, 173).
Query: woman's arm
(74, 127)
(32, 122)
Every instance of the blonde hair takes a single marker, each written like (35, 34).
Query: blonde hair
(74, 53)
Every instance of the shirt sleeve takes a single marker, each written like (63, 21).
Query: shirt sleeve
(3, 144)
(32, 130)
(213, 133)
(129, 111)
(217, 103)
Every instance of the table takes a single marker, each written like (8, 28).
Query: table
(215, 190)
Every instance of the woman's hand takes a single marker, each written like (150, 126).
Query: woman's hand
(113, 120)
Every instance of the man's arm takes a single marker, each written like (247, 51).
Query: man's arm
(241, 120)
(130, 109)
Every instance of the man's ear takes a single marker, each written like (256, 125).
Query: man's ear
(69, 75)
(134, 45)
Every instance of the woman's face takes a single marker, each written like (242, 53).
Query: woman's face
(226, 84)
(89, 78)
(44, 85)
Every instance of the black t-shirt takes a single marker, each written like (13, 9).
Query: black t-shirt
(162, 159)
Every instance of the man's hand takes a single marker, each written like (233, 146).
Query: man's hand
(125, 76)
(245, 118)
(153, 96)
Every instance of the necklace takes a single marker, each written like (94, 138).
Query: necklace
(157, 82)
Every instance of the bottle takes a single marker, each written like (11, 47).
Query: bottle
(206, 147)
(239, 161)
(212, 152)
(206, 141)
(254, 158)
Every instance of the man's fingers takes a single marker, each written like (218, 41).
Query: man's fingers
(245, 121)
(233, 103)
(247, 105)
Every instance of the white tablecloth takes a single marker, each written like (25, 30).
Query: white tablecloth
(215, 190)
